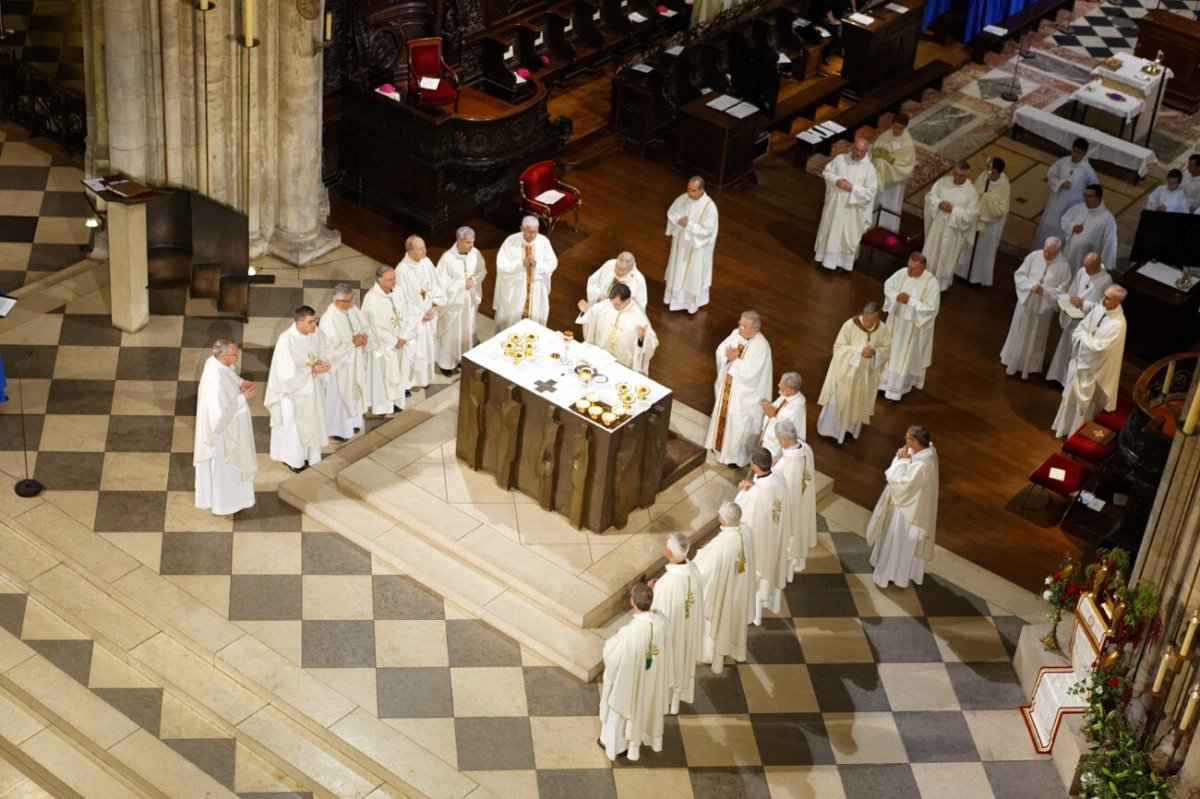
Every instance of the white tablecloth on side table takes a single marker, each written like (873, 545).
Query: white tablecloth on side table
(1104, 147)
(1130, 80)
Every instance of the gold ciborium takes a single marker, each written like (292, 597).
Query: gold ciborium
(643, 391)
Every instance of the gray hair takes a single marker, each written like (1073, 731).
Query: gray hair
(921, 434)
(787, 430)
(791, 380)
(382, 270)
(679, 545)
(963, 166)
(221, 346)
(408, 243)
(1053, 241)
(530, 221)
(343, 291)
(1119, 292)
(642, 596)
(463, 232)
(754, 318)
(626, 258)
(730, 513)
(870, 308)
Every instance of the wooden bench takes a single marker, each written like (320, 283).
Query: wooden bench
(1027, 19)
(805, 101)
(872, 107)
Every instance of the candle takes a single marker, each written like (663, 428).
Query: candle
(329, 35)
(1188, 712)
(1189, 426)
(248, 22)
(1167, 380)
(1162, 671)
(1186, 649)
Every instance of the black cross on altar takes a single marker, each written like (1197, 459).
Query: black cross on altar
(545, 386)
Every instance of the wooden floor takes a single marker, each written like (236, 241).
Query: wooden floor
(990, 430)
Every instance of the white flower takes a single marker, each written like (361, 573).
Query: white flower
(1046, 595)
(1049, 580)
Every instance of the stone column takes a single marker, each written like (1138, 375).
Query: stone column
(299, 237)
(128, 269)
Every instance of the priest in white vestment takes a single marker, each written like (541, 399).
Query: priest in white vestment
(766, 511)
(1170, 197)
(295, 394)
(1085, 293)
(461, 271)
(622, 269)
(912, 299)
(620, 326)
(679, 597)
(692, 223)
(524, 266)
(978, 261)
(393, 324)
(1039, 281)
(417, 281)
(743, 383)
(1068, 177)
(729, 580)
(1094, 373)
(343, 332)
(789, 406)
(847, 397)
(850, 185)
(223, 451)
(903, 526)
(1191, 181)
(1090, 227)
(633, 691)
(951, 210)
(796, 467)
(895, 157)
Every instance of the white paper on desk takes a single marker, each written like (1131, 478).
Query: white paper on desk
(1096, 504)
(549, 196)
(642, 68)
(723, 102)
(676, 50)
(824, 33)
(668, 13)
(540, 40)
(783, 59)
(96, 184)
(596, 16)
(800, 22)
(636, 17)
(429, 84)
(862, 19)
(995, 30)
(570, 26)
(520, 79)
(824, 132)
(509, 54)
(1057, 474)
(809, 136)
(741, 110)
(704, 90)
(1064, 302)
(6, 305)
(830, 125)
(899, 9)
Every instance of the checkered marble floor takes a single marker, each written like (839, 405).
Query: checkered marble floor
(48, 35)
(1113, 27)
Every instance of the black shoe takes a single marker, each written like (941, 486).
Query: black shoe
(396, 409)
(339, 439)
(733, 466)
(294, 469)
(446, 372)
(407, 393)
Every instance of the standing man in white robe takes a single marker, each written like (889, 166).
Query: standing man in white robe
(1090, 227)
(789, 406)
(796, 466)
(524, 265)
(223, 451)
(622, 269)
(951, 209)
(1068, 177)
(692, 223)
(850, 185)
(1170, 197)
(679, 597)
(417, 281)
(912, 299)
(343, 333)
(766, 513)
(903, 526)
(860, 353)
(729, 578)
(633, 692)
(1039, 281)
(743, 383)
(393, 325)
(1191, 181)
(895, 157)
(1094, 374)
(979, 260)
(461, 271)
(620, 326)
(295, 394)
(1085, 292)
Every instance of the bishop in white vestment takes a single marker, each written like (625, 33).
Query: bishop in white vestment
(789, 406)
(1169, 198)
(1068, 177)
(766, 514)
(393, 324)
(1090, 227)
(1085, 293)
(912, 299)
(1039, 280)
(978, 261)
(796, 467)
(692, 223)
(295, 394)
(461, 271)
(620, 326)
(1094, 374)
(850, 185)
(343, 332)
(903, 526)
(679, 597)
(622, 269)
(851, 385)
(951, 210)
(743, 383)
(524, 266)
(895, 157)
(417, 281)
(729, 580)
(633, 691)
(223, 451)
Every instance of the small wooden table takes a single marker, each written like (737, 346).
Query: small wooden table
(715, 145)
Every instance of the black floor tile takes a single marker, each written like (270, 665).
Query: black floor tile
(18, 228)
(729, 783)
(47, 257)
(936, 737)
(181, 475)
(414, 693)
(140, 434)
(473, 643)
(942, 598)
(80, 396)
(792, 739)
(1024, 779)
(774, 642)
(671, 756)
(15, 434)
(65, 203)
(266, 597)
(32, 361)
(201, 331)
(270, 514)
(893, 780)
(185, 397)
(853, 552)
(398, 596)
(848, 687)
(148, 363)
(550, 691)
(594, 783)
(278, 301)
(330, 553)
(494, 744)
(338, 644)
(89, 330)
(900, 639)
(24, 178)
(818, 595)
(986, 686)
(717, 693)
(70, 471)
(197, 553)
(131, 511)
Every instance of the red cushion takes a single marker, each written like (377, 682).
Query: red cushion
(1067, 485)
(1088, 449)
(559, 208)
(879, 238)
(539, 177)
(426, 58)
(442, 95)
(1115, 419)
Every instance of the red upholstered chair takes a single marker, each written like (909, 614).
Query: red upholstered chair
(425, 61)
(543, 177)
(895, 245)
(1092, 443)
(1065, 486)
(1115, 419)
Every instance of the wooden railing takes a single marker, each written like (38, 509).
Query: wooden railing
(40, 105)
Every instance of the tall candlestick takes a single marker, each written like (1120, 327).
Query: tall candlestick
(1162, 670)
(248, 22)
(1169, 378)
(1189, 426)
(1185, 723)
(329, 35)
(1186, 648)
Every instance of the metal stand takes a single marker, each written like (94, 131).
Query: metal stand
(27, 487)
(1014, 89)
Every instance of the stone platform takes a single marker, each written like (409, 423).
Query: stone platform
(401, 493)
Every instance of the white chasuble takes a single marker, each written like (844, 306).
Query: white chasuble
(690, 264)
(389, 369)
(523, 293)
(345, 394)
(903, 526)
(1099, 234)
(978, 261)
(1024, 350)
(949, 233)
(728, 571)
(617, 332)
(1067, 181)
(1090, 290)
(296, 399)
(602, 281)
(223, 451)
(846, 214)
(1094, 374)
(741, 386)
(847, 398)
(456, 319)
(766, 512)
(911, 327)
(633, 691)
(799, 473)
(417, 282)
(679, 597)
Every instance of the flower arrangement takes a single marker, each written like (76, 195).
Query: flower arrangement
(1062, 592)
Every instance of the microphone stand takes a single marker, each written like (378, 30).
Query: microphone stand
(1014, 89)
(27, 487)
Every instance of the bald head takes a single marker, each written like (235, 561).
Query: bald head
(1092, 264)
(859, 151)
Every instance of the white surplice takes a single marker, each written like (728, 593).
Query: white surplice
(846, 215)
(633, 691)
(1090, 289)
(737, 413)
(389, 370)
(296, 399)
(690, 264)
(978, 260)
(728, 573)
(910, 326)
(894, 157)
(1191, 187)
(1173, 202)
(1094, 374)
(223, 451)
(1063, 171)
(1024, 349)
(787, 409)
(345, 395)
(679, 597)
(617, 332)
(456, 319)
(1099, 234)
(903, 526)
(799, 473)
(948, 234)
(847, 397)
(601, 282)
(766, 514)
(418, 282)
(522, 293)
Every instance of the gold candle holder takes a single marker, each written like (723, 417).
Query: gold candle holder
(643, 391)
(595, 411)
(582, 405)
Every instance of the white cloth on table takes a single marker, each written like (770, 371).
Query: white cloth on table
(1095, 95)
(690, 264)
(1102, 146)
